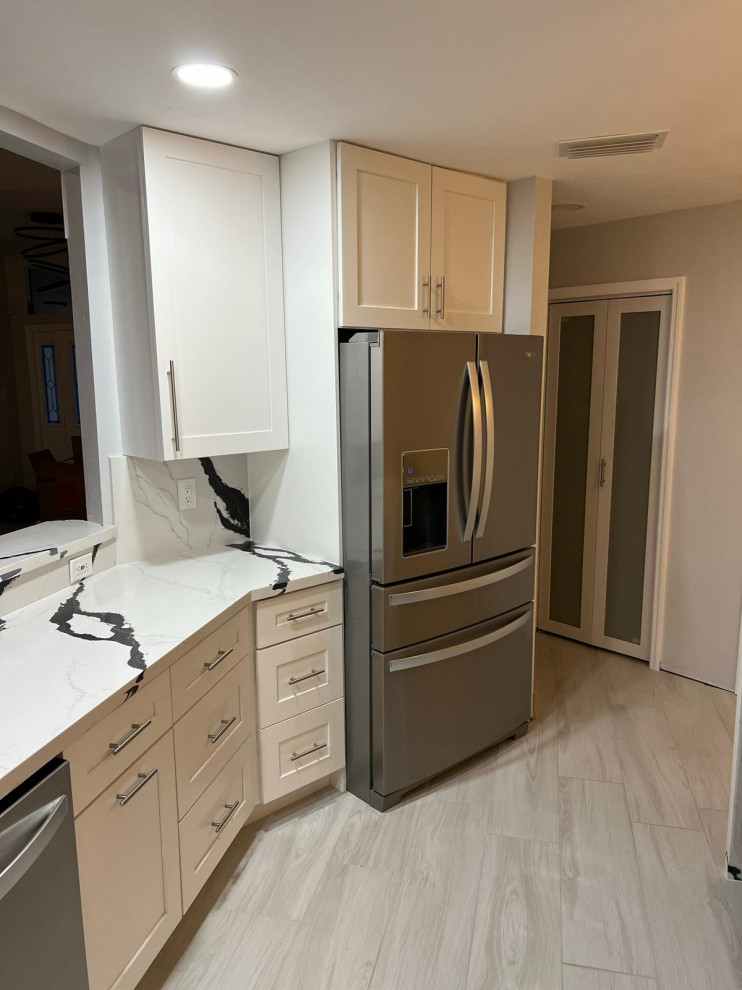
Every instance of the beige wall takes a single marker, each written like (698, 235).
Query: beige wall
(704, 586)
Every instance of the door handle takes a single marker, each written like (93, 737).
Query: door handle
(602, 471)
(174, 406)
(460, 587)
(56, 812)
(476, 471)
(489, 461)
(442, 286)
(422, 659)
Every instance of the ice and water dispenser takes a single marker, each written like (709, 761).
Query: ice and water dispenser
(424, 501)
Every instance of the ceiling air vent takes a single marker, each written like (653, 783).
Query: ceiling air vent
(614, 144)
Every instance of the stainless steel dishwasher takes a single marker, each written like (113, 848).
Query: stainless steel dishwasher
(41, 934)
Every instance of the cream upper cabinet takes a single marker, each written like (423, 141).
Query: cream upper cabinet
(419, 246)
(194, 231)
(467, 251)
(384, 253)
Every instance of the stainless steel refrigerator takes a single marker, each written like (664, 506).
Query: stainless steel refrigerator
(439, 446)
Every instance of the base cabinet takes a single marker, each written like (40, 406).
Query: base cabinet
(127, 848)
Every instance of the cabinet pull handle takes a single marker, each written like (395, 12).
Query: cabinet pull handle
(174, 406)
(315, 748)
(293, 616)
(226, 722)
(231, 808)
(220, 655)
(144, 778)
(426, 297)
(137, 727)
(442, 286)
(305, 677)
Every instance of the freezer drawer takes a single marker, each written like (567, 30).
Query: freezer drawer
(449, 698)
(409, 613)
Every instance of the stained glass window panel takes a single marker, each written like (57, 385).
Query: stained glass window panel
(49, 368)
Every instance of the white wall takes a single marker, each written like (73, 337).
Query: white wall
(295, 494)
(527, 256)
(704, 586)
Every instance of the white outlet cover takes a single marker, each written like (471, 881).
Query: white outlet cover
(81, 567)
(187, 497)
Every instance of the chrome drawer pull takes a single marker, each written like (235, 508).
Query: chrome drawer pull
(144, 778)
(137, 727)
(291, 617)
(314, 749)
(231, 808)
(226, 722)
(220, 655)
(305, 677)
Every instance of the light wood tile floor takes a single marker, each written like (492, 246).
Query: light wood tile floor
(587, 855)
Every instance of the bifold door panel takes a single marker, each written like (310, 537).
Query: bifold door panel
(602, 447)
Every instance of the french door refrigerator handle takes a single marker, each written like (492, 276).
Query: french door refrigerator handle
(58, 810)
(476, 471)
(422, 659)
(489, 468)
(459, 587)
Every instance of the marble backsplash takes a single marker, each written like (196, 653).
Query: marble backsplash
(145, 499)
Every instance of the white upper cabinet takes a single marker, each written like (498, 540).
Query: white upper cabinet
(467, 251)
(385, 240)
(195, 239)
(419, 246)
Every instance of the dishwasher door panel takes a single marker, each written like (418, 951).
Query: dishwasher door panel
(41, 934)
(449, 698)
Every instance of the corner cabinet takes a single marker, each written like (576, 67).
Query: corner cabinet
(194, 237)
(420, 247)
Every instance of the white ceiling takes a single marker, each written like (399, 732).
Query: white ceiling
(483, 85)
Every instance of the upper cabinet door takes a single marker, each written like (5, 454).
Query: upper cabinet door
(213, 226)
(468, 251)
(384, 240)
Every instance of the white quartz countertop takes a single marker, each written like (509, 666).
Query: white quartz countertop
(68, 659)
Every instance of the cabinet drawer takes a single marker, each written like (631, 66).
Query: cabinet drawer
(209, 735)
(229, 798)
(109, 747)
(302, 749)
(299, 675)
(127, 851)
(298, 613)
(202, 667)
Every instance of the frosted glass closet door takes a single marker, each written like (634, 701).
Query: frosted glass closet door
(574, 399)
(631, 441)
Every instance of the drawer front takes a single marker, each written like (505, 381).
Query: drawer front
(204, 666)
(229, 799)
(209, 735)
(302, 749)
(298, 613)
(440, 605)
(299, 675)
(109, 747)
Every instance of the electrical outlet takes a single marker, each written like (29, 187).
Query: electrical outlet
(81, 567)
(187, 498)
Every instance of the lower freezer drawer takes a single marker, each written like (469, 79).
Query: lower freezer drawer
(444, 700)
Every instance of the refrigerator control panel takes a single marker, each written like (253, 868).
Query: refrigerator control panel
(424, 467)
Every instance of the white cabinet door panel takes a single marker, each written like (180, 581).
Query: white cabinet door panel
(214, 237)
(468, 251)
(385, 239)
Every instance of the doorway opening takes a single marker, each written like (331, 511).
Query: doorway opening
(607, 446)
(41, 463)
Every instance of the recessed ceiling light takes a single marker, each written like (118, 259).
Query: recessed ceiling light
(567, 207)
(204, 75)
